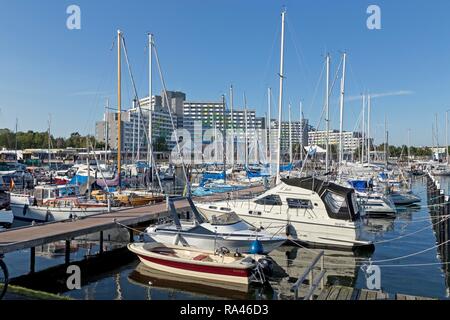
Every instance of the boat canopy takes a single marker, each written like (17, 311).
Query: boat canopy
(340, 201)
(359, 185)
(212, 176)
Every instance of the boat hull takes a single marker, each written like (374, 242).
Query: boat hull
(317, 233)
(219, 273)
(211, 243)
(24, 212)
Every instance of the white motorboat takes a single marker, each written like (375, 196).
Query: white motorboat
(403, 198)
(373, 204)
(313, 211)
(441, 170)
(376, 205)
(223, 229)
(210, 266)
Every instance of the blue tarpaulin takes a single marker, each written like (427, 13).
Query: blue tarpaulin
(288, 167)
(78, 180)
(212, 176)
(359, 185)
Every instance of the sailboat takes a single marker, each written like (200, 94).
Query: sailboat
(313, 211)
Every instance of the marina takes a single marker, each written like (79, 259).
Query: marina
(300, 189)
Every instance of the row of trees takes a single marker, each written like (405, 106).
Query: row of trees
(401, 151)
(40, 140)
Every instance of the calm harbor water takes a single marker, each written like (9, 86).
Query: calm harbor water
(409, 233)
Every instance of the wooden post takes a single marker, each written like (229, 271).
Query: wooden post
(32, 260)
(67, 258)
(101, 242)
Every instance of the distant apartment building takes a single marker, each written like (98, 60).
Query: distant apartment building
(134, 129)
(299, 133)
(196, 117)
(351, 140)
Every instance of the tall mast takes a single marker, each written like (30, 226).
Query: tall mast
(89, 187)
(446, 136)
(232, 126)
(386, 150)
(49, 141)
(17, 120)
(150, 101)
(269, 116)
(369, 101)
(119, 105)
(341, 120)
(280, 98)
(327, 107)
(409, 146)
(290, 135)
(301, 131)
(106, 130)
(437, 134)
(363, 144)
(133, 140)
(138, 155)
(224, 121)
(246, 131)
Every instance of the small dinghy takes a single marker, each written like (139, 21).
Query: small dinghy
(220, 266)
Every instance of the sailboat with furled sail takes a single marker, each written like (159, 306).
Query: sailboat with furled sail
(313, 211)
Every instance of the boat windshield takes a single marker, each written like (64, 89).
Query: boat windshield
(224, 219)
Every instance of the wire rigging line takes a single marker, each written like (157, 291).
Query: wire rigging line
(163, 82)
(147, 134)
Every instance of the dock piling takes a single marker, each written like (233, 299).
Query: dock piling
(67, 258)
(32, 259)
(101, 242)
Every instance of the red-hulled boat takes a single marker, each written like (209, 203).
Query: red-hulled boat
(200, 264)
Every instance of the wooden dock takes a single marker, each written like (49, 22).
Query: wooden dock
(347, 293)
(33, 236)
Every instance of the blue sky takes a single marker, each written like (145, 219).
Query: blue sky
(204, 46)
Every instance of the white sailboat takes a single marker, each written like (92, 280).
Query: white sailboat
(312, 211)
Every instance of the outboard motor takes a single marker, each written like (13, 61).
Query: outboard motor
(266, 265)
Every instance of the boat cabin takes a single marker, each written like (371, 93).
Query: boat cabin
(43, 194)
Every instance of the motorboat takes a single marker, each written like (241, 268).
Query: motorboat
(441, 170)
(373, 203)
(221, 267)
(376, 205)
(222, 229)
(403, 198)
(312, 211)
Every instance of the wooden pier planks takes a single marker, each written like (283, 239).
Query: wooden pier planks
(347, 293)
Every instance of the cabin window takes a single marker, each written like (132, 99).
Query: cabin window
(270, 200)
(225, 219)
(335, 202)
(299, 203)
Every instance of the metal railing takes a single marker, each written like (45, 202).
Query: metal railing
(313, 283)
